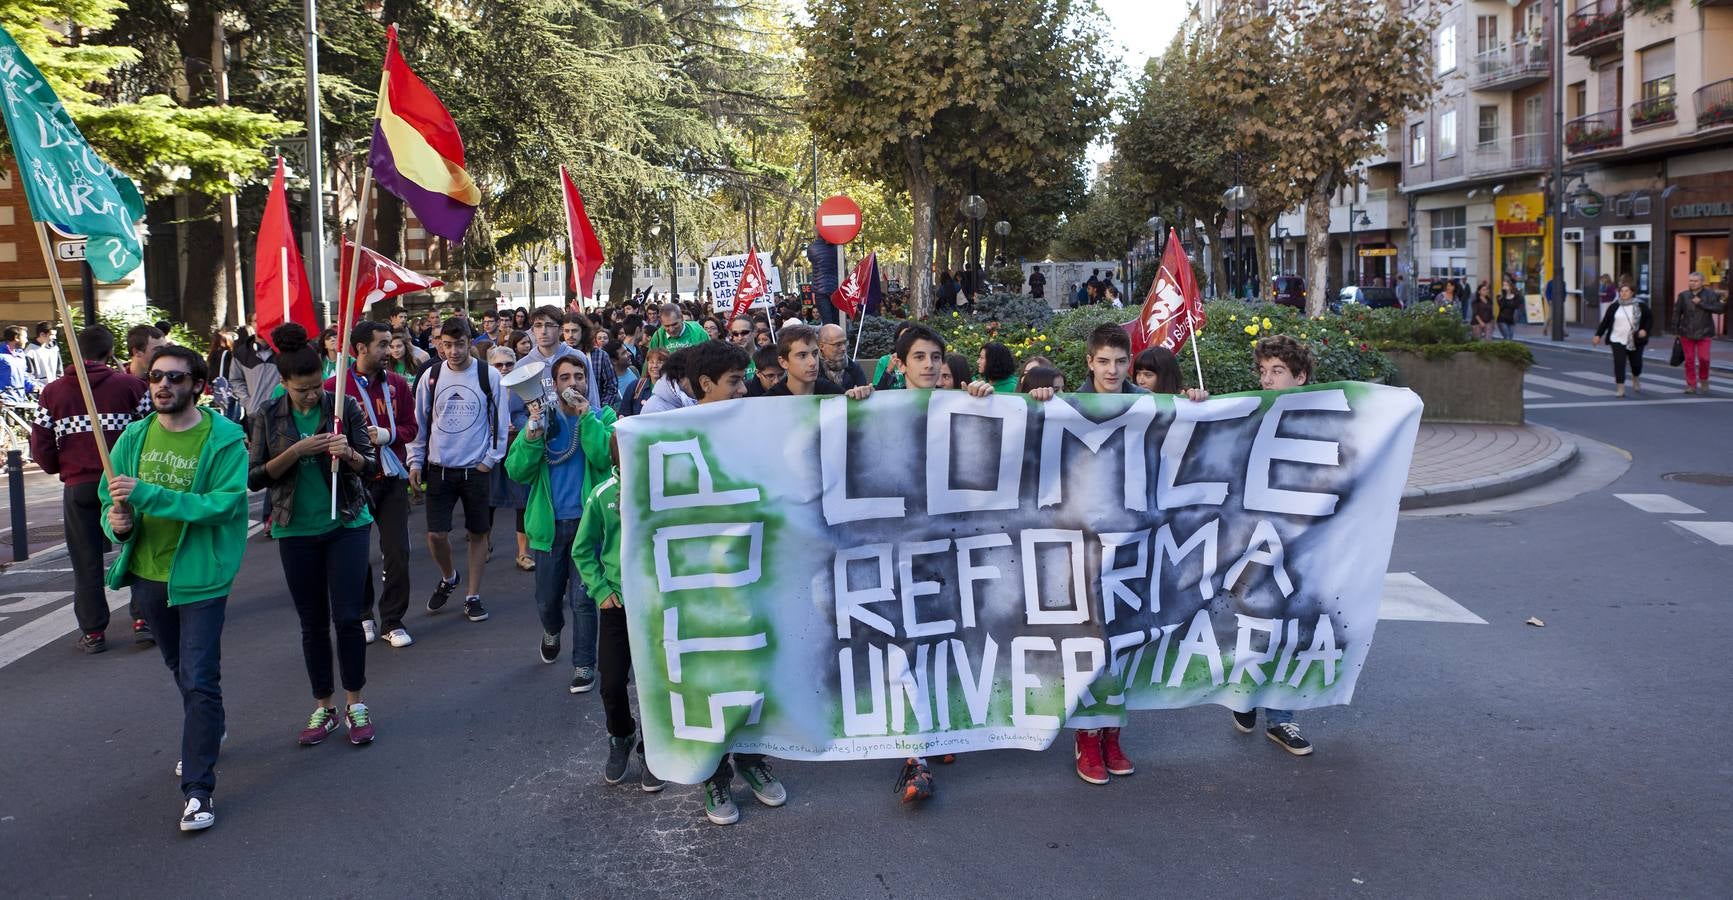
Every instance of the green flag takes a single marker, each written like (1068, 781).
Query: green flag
(69, 186)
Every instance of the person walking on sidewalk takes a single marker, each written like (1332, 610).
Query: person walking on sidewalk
(1626, 326)
(61, 443)
(461, 429)
(389, 404)
(1509, 302)
(561, 455)
(1695, 324)
(177, 506)
(294, 440)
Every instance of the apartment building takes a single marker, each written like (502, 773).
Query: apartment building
(1649, 144)
(1475, 159)
(1368, 228)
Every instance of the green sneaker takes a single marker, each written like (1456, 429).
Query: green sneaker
(719, 805)
(764, 785)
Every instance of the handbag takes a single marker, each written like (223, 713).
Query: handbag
(1678, 357)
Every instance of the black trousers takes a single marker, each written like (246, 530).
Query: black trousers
(324, 572)
(1620, 356)
(81, 514)
(613, 664)
(391, 516)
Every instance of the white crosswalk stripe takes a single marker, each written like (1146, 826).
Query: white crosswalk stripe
(1408, 599)
(1650, 378)
(1719, 532)
(1660, 503)
(1533, 395)
(1569, 387)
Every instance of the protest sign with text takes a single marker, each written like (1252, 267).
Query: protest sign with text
(930, 572)
(723, 278)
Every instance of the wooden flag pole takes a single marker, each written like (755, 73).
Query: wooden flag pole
(343, 324)
(1192, 340)
(72, 344)
(283, 276)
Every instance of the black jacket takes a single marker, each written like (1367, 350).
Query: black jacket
(273, 430)
(1692, 320)
(1645, 323)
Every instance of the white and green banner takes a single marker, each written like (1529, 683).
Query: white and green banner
(929, 572)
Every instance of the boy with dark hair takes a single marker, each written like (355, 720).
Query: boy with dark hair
(767, 372)
(920, 355)
(1283, 363)
(141, 342)
(798, 355)
(1109, 362)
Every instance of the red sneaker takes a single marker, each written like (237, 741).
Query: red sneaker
(320, 724)
(1115, 758)
(915, 782)
(1089, 765)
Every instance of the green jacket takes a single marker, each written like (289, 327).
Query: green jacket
(596, 549)
(691, 333)
(213, 513)
(527, 463)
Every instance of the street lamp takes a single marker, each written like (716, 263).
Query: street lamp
(1003, 229)
(1282, 249)
(1238, 198)
(1156, 227)
(1354, 249)
(974, 208)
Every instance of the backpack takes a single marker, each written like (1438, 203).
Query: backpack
(431, 373)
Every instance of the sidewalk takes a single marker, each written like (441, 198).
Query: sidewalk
(1463, 463)
(1577, 336)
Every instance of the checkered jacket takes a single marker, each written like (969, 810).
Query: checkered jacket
(60, 438)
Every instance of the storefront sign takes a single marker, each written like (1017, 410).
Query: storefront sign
(1702, 210)
(1378, 251)
(1519, 215)
(1589, 204)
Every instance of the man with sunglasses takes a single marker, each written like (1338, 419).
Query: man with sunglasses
(177, 507)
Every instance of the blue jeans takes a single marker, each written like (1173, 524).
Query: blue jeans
(557, 576)
(1504, 328)
(190, 638)
(1274, 717)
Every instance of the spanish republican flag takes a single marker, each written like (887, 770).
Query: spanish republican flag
(417, 153)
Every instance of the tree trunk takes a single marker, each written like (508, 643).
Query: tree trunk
(388, 226)
(1218, 266)
(621, 286)
(918, 178)
(1261, 238)
(202, 240)
(1318, 248)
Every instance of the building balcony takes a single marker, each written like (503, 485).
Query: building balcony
(1596, 28)
(1510, 68)
(1654, 112)
(1594, 132)
(1518, 153)
(1714, 103)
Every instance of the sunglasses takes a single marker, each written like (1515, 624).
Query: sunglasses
(740, 333)
(158, 375)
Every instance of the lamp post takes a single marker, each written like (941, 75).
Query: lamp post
(1003, 229)
(1238, 198)
(975, 209)
(1281, 249)
(1353, 248)
(1557, 186)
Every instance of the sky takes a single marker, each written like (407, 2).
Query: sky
(1138, 29)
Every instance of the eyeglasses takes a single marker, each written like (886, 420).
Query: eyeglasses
(503, 366)
(157, 375)
(747, 333)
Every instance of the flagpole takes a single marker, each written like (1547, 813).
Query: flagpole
(571, 246)
(283, 276)
(344, 324)
(858, 332)
(1192, 340)
(77, 354)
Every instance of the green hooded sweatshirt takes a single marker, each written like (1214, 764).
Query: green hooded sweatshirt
(213, 513)
(527, 463)
(596, 549)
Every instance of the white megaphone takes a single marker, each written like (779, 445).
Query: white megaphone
(525, 380)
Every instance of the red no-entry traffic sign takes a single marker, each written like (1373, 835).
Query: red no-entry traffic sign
(838, 219)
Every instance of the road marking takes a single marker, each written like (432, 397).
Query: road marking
(1408, 599)
(45, 630)
(1637, 403)
(1719, 532)
(1660, 503)
(25, 601)
(1648, 378)
(1533, 395)
(1569, 387)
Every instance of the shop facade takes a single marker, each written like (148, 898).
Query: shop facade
(1698, 236)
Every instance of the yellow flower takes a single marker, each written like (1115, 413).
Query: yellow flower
(1045, 347)
(1233, 318)
(1267, 325)
(1303, 336)
(1444, 309)
(1252, 329)
(955, 316)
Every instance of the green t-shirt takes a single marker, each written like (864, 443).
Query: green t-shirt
(168, 459)
(311, 514)
(691, 334)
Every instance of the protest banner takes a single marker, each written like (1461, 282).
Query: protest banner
(929, 572)
(723, 277)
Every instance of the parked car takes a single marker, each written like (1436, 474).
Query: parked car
(1375, 297)
(1289, 290)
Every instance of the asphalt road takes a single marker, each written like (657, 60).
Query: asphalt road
(1495, 759)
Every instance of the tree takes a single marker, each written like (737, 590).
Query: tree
(926, 93)
(1318, 82)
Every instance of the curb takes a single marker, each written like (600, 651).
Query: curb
(1714, 364)
(1535, 473)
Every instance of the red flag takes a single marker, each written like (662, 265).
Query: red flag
(586, 249)
(380, 278)
(1174, 310)
(753, 284)
(851, 296)
(280, 290)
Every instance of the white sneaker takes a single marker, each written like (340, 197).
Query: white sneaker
(198, 814)
(369, 630)
(397, 637)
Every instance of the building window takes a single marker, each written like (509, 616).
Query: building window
(1447, 134)
(1417, 144)
(1658, 71)
(1485, 34)
(1487, 132)
(1450, 228)
(1447, 49)
(1579, 99)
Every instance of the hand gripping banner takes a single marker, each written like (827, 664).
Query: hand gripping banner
(929, 572)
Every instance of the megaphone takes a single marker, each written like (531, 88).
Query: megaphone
(525, 380)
